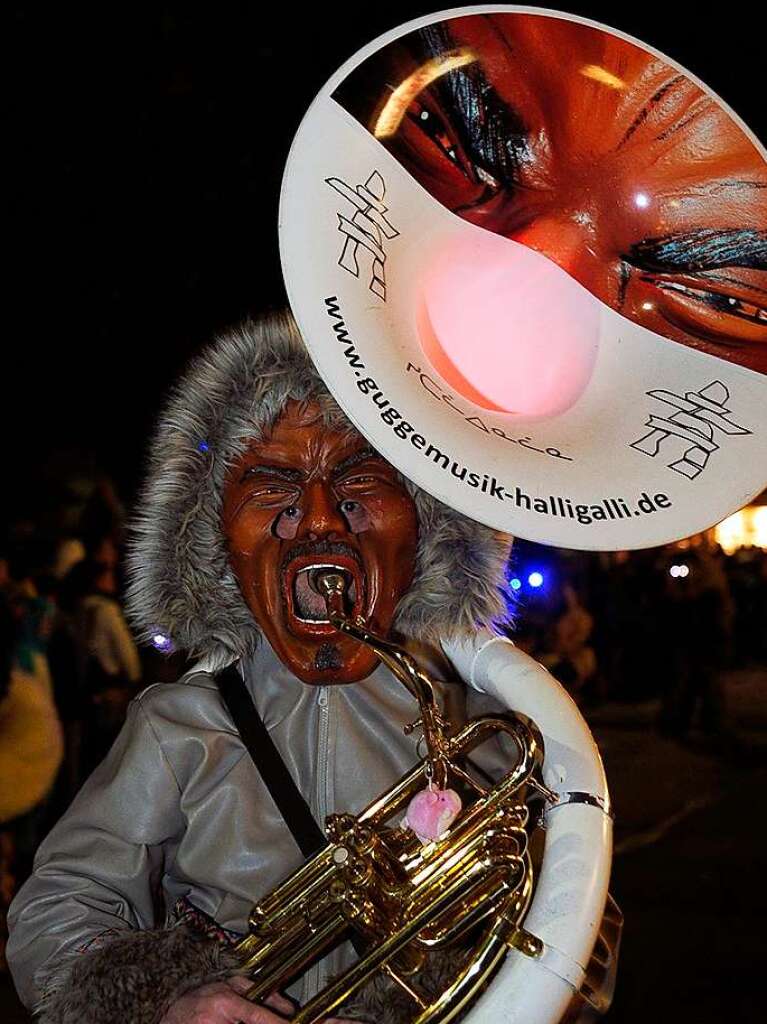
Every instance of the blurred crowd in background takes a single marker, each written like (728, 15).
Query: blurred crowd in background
(69, 665)
(660, 625)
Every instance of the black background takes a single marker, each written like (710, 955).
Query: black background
(146, 147)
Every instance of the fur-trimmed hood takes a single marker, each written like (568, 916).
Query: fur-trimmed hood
(180, 581)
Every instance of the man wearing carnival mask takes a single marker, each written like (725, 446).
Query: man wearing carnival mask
(255, 477)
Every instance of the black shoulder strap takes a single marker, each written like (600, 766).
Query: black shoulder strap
(278, 780)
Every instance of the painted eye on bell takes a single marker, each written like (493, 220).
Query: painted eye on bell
(292, 512)
(462, 140)
(433, 126)
(717, 301)
(349, 506)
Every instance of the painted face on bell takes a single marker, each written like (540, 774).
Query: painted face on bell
(593, 152)
(306, 497)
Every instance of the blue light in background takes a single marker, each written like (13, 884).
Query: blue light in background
(203, 446)
(515, 583)
(162, 642)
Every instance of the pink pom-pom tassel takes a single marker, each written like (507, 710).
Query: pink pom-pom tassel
(431, 813)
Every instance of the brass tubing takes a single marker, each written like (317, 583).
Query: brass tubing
(402, 665)
(459, 773)
(415, 996)
(472, 861)
(485, 961)
(449, 860)
(394, 800)
(358, 974)
(487, 893)
(475, 732)
(256, 949)
(275, 976)
(480, 822)
(302, 876)
(297, 892)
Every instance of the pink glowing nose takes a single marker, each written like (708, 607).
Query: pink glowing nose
(506, 327)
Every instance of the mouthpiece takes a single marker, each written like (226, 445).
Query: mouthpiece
(332, 586)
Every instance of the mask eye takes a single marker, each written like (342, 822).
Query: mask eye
(286, 524)
(355, 514)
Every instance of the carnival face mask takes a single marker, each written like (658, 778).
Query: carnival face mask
(308, 496)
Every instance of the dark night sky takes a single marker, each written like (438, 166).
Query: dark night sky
(146, 146)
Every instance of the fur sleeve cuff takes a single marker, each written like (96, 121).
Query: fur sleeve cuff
(134, 977)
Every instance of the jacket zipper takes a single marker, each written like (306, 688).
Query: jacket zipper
(323, 754)
(313, 977)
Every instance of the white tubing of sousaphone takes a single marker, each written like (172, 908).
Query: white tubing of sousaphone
(652, 426)
(571, 888)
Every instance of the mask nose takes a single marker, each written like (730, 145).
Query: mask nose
(322, 519)
(565, 240)
(506, 326)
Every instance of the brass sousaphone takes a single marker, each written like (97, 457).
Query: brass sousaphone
(528, 256)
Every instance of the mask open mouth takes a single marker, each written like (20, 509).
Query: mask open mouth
(306, 605)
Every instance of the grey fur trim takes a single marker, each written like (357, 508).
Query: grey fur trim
(133, 978)
(180, 581)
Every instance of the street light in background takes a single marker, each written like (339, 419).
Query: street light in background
(744, 529)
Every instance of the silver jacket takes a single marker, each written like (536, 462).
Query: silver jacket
(178, 809)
